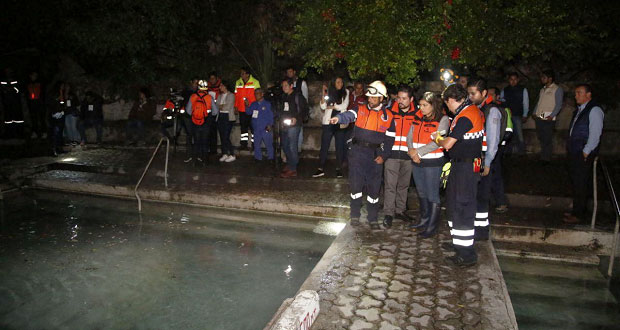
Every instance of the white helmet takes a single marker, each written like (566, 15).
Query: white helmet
(203, 84)
(376, 89)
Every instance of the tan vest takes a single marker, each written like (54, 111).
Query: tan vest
(546, 100)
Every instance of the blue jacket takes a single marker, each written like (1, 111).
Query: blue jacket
(262, 115)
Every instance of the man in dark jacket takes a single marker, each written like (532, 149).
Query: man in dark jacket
(291, 117)
(141, 113)
(583, 145)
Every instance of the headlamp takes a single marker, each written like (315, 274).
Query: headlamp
(447, 76)
(168, 117)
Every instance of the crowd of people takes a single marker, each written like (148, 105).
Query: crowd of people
(385, 138)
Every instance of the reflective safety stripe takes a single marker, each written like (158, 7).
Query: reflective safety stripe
(400, 148)
(475, 135)
(244, 134)
(503, 143)
(356, 196)
(482, 215)
(355, 113)
(462, 232)
(462, 242)
(508, 129)
(245, 138)
(392, 134)
(13, 82)
(4, 83)
(373, 201)
(432, 155)
(400, 138)
(481, 223)
(484, 148)
(450, 224)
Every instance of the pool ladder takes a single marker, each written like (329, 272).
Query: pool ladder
(149, 165)
(614, 203)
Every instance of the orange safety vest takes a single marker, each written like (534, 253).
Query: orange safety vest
(422, 135)
(376, 121)
(477, 119)
(201, 106)
(402, 123)
(245, 90)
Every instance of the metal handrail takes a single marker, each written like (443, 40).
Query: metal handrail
(594, 193)
(614, 203)
(148, 165)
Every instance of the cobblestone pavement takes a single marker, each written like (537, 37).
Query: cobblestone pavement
(393, 280)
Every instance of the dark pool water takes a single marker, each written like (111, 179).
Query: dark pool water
(550, 295)
(78, 262)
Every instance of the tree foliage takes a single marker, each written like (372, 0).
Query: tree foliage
(398, 39)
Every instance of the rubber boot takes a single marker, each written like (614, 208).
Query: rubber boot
(433, 222)
(424, 214)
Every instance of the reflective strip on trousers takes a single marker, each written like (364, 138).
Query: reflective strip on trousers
(373, 201)
(356, 196)
(482, 215)
(462, 242)
(450, 224)
(481, 223)
(462, 232)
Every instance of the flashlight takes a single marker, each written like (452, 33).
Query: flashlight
(168, 117)
(447, 76)
(442, 132)
(326, 97)
(182, 111)
(287, 122)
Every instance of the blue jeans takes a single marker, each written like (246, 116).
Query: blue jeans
(427, 182)
(224, 126)
(327, 132)
(290, 138)
(71, 128)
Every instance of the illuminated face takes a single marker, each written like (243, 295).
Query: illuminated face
(452, 104)
(359, 89)
(245, 75)
(286, 87)
(374, 101)
(404, 100)
(463, 81)
(475, 95)
(290, 73)
(544, 79)
(339, 83)
(223, 88)
(581, 96)
(426, 108)
(194, 84)
(258, 95)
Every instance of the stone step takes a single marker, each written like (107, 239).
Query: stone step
(273, 194)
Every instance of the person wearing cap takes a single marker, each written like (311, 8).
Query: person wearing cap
(203, 110)
(371, 144)
(464, 146)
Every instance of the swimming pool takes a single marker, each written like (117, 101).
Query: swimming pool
(79, 262)
(552, 295)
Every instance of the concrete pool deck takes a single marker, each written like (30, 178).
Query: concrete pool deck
(384, 279)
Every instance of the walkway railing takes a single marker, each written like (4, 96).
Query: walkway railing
(149, 165)
(614, 203)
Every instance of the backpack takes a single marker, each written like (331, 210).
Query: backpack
(505, 131)
(200, 109)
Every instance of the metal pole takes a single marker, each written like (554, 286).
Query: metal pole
(614, 246)
(144, 173)
(594, 193)
(166, 165)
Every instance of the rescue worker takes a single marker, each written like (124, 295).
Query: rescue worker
(428, 160)
(244, 96)
(478, 94)
(371, 144)
(262, 123)
(12, 103)
(397, 169)
(56, 107)
(36, 106)
(464, 145)
(203, 110)
(167, 118)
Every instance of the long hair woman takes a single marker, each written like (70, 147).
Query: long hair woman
(428, 160)
(335, 100)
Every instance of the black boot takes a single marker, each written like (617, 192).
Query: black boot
(433, 222)
(424, 214)
(387, 221)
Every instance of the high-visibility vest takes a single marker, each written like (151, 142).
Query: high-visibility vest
(402, 123)
(375, 121)
(245, 91)
(422, 130)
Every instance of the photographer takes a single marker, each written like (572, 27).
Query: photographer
(291, 115)
(335, 100)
